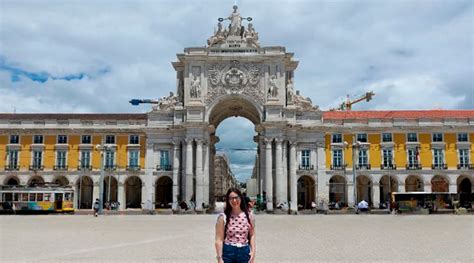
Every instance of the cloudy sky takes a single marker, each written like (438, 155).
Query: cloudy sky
(93, 56)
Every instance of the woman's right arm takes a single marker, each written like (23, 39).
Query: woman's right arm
(219, 238)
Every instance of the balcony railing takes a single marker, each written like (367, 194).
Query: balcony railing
(464, 166)
(306, 167)
(166, 167)
(388, 167)
(133, 167)
(36, 168)
(12, 167)
(413, 166)
(363, 167)
(84, 168)
(60, 167)
(110, 167)
(441, 166)
(338, 167)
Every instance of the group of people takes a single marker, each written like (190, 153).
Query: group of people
(107, 205)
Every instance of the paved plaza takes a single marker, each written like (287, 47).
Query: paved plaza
(280, 238)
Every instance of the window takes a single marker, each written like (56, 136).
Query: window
(85, 159)
(39, 197)
(362, 137)
(305, 159)
(363, 160)
(109, 159)
(337, 158)
(134, 139)
(133, 159)
(86, 139)
(337, 138)
(62, 139)
(411, 137)
(37, 159)
(463, 158)
(12, 159)
(462, 137)
(386, 137)
(38, 139)
(110, 139)
(164, 160)
(387, 158)
(437, 137)
(438, 160)
(14, 139)
(413, 158)
(61, 159)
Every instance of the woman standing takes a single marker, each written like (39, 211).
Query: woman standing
(235, 231)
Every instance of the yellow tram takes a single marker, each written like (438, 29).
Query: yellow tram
(36, 199)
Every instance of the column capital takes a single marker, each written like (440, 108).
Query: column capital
(278, 140)
(176, 142)
(199, 142)
(293, 143)
(267, 140)
(189, 140)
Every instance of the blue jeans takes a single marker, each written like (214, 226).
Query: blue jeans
(233, 254)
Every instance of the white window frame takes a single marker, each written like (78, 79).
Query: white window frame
(65, 157)
(17, 157)
(342, 157)
(381, 137)
(440, 165)
(309, 158)
(436, 133)
(459, 133)
(113, 159)
(10, 139)
(416, 134)
(468, 156)
(114, 136)
(130, 139)
(57, 139)
(138, 157)
(366, 137)
(332, 138)
(416, 159)
(367, 157)
(89, 164)
(42, 139)
(392, 161)
(82, 138)
(33, 157)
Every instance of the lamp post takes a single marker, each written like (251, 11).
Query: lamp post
(102, 148)
(355, 147)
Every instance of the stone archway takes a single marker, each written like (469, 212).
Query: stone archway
(364, 189)
(164, 192)
(36, 181)
(413, 183)
(133, 192)
(439, 184)
(84, 190)
(110, 190)
(61, 181)
(12, 181)
(465, 192)
(337, 190)
(306, 196)
(386, 187)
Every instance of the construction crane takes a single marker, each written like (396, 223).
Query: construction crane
(136, 102)
(347, 105)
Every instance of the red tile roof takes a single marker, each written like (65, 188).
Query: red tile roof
(76, 116)
(402, 114)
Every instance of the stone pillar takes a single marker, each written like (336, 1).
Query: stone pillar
(285, 172)
(279, 172)
(76, 195)
(262, 166)
(189, 170)
(268, 174)
(147, 191)
(199, 176)
(95, 191)
(293, 180)
(350, 193)
(427, 187)
(176, 189)
(206, 174)
(376, 194)
(121, 196)
(453, 188)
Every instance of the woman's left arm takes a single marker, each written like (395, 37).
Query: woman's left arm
(253, 247)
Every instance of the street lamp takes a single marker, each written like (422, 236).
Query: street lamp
(102, 148)
(355, 147)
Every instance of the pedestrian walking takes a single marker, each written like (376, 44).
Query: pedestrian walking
(96, 207)
(235, 231)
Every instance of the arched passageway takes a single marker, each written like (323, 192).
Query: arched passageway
(413, 184)
(110, 190)
(61, 181)
(133, 192)
(11, 181)
(84, 188)
(337, 190)
(306, 186)
(387, 187)
(164, 192)
(36, 181)
(364, 189)
(465, 192)
(439, 184)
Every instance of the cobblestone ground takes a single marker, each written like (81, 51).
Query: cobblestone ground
(280, 238)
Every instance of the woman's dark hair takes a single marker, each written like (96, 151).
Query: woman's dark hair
(228, 208)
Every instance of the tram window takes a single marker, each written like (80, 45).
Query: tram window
(47, 197)
(24, 196)
(39, 197)
(16, 197)
(32, 197)
(67, 196)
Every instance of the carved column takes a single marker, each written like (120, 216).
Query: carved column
(293, 180)
(279, 172)
(176, 189)
(206, 174)
(262, 166)
(199, 176)
(121, 196)
(285, 172)
(376, 194)
(268, 174)
(147, 191)
(189, 170)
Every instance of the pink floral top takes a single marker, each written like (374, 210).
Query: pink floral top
(237, 229)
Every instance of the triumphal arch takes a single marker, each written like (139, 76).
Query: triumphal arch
(234, 75)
